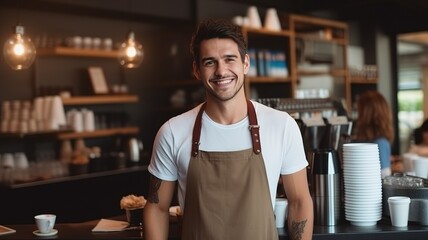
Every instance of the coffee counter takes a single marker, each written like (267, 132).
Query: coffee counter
(383, 230)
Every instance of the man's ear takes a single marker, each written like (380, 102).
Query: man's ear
(196, 71)
(246, 63)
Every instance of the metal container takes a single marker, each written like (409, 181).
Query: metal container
(326, 187)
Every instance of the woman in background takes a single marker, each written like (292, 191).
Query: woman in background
(420, 138)
(374, 124)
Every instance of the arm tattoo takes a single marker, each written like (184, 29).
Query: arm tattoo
(154, 186)
(297, 229)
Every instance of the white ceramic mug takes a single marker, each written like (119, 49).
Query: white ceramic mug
(420, 165)
(45, 222)
(280, 212)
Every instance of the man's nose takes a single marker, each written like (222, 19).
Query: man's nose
(221, 69)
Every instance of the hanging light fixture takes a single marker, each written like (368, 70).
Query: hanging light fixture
(19, 51)
(131, 52)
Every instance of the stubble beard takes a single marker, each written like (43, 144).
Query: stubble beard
(221, 98)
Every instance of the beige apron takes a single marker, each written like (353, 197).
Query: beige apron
(227, 196)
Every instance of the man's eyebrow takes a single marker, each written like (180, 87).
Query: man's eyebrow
(206, 59)
(223, 57)
(230, 56)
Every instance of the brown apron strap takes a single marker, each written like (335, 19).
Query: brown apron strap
(196, 136)
(253, 127)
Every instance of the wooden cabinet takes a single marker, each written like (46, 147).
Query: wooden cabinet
(315, 51)
(91, 100)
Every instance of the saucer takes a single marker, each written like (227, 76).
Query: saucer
(38, 233)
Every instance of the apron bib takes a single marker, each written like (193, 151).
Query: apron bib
(227, 195)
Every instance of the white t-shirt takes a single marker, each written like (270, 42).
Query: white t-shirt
(280, 138)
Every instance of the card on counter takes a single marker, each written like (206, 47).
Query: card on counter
(6, 230)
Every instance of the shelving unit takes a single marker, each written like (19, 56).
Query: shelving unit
(317, 33)
(114, 127)
(94, 99)
(278, 44)
(329, 34)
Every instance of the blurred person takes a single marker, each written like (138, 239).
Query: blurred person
(227, 154)
(375, 124)
(420, 140)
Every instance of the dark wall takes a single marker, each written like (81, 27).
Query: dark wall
(163, 27)
(164, 32)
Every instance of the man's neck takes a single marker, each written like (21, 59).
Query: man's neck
(227, 112)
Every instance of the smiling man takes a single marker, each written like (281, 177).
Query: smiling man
(227, 154)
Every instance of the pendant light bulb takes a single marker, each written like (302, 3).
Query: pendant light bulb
(131, 52)
(19, 51)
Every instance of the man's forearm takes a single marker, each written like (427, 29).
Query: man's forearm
(156, 224)
(300, 222)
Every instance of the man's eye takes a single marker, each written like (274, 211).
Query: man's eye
(230, 60)
(208, 63)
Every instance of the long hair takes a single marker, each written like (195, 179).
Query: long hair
(419, 132)
(374, 117)
(217, 28)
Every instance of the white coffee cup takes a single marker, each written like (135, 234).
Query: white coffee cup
(45, 222)
(272, 20)
(8, 161)
(77, 41)
(399, 210)
(408, 161)
(280, 212)
(420, 165)
(253, 15)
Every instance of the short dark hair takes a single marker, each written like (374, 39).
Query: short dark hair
(217, 28)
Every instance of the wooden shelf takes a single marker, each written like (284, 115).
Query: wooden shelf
(332, 72)
(363, 80)
(309, 37)
(69, 178)
(70, 134)
(100, 133)
(314, 21)
(102, 99)
(193, 82)
(77, 52)
(38, 135)
(269, 79)
(265, 32)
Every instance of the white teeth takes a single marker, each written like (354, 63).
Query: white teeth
(223, 82)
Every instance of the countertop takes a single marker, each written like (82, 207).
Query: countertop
(383, 230)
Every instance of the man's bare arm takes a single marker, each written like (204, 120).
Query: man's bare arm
(154, 186)
(300, 205)
(156, 211)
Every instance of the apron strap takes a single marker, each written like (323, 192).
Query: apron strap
(196, 136)
(253, 127)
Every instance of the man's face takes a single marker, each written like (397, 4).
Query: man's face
(221, 68)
